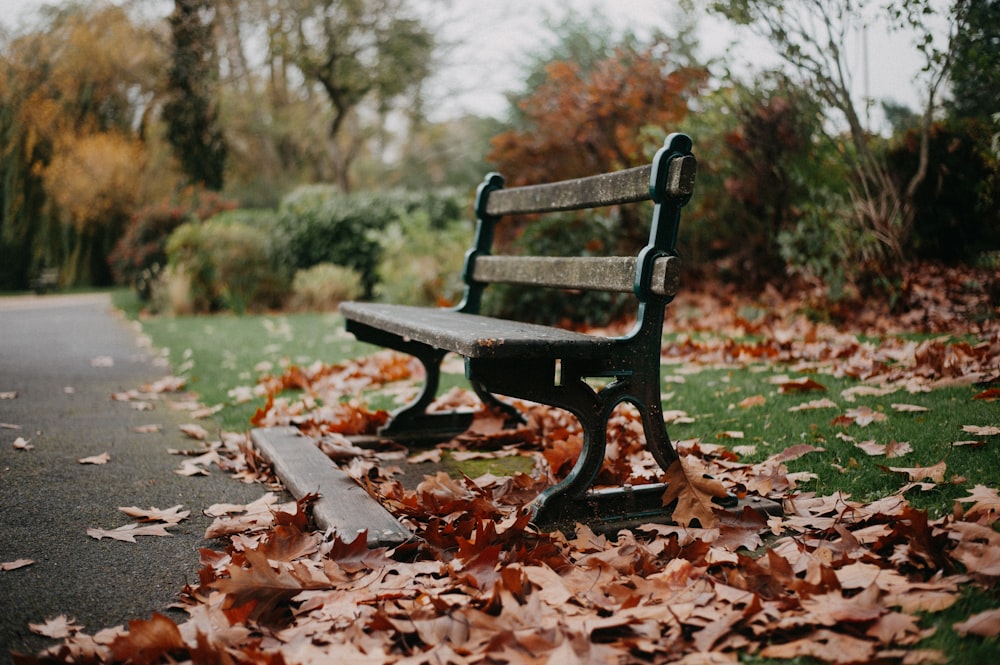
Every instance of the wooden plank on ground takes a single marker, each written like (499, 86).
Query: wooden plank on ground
(343, 506)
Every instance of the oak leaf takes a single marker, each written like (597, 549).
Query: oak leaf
(146, 642)
(57, 628)
(917, 473)
(693, 491)
(194, 431)
(985, 500)
(129, 532)
(16, 563)
(169, 515)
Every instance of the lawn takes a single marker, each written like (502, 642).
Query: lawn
(866, 443)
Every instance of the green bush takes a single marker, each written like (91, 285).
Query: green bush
(422, 260)
(317, 224)
(229, 265)
(141, 253)
(323, 286)
(571, 234)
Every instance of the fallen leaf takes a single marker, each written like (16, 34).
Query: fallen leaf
(935, 473)
(824, 403)
(15, 564)
(102, 361)
(168, 515)
(693, 493)
(194, 431)
(147, 429)
(804, 384)
(989, 395)
(984, 624)
(129, 532)
(103, 458)
(909, 408)
(20, 443)
(890, 450)
(152, 641)
(983, 499)
(755, 400)
(8, 394)
(988, 430)
(864, 416)
(58, 628)
(9, 426)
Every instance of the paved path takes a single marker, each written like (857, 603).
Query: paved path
(48, 347)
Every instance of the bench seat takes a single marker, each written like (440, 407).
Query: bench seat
(476, 336)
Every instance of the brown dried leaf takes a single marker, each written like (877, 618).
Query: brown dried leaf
(984, 624)
(20, 443)
(978, 430)
(917, 473)
(15, 564)
(804, 384)
(103, 458)
(194, 430)
(57, 628)
(128, 532)
(694, 492)
(168, 515)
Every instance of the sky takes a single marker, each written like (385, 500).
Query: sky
(488, 63)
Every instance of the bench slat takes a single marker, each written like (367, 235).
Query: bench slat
(626, 186)
(615, 273)
(476, 336)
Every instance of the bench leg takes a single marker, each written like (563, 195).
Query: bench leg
(412, 422)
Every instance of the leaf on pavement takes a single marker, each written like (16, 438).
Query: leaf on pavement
(57, 628)
(194, 430)
(147, 429)
(129, 532)
(103, 458)
(15, 564)
(20, 443)
(8, 394)
(168, 515)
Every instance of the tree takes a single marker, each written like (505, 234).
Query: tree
(810, 36)
(358, 52)
(190, 111)
(580, 122)
(975, 72)
(75, 111)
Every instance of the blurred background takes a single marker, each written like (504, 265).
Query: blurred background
(247, 154)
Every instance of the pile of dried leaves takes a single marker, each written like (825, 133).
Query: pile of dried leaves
(832, 579)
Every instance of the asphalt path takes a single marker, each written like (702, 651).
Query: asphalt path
(64, 356)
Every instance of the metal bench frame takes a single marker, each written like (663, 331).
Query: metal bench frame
(550, 365)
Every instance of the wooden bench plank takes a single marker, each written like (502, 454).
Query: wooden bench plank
(476, 336)
(613, 273)
(343, 505)
(627, 186)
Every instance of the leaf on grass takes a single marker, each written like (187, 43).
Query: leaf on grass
(755, 400)
(58, 628)
(103, 458)
(890, 450)
(693, 492)
(988, 430)
(154, 514)
(20, 443)
(129, 532)
(989, 395)
(804, 384)
(909, 408)
(824, 403)
(15, 564)
(863, 416)
(917, 473)
(194, 430)
(983, 499)
(984, 624)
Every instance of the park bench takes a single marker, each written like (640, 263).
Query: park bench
(551, 365)
(46, 280)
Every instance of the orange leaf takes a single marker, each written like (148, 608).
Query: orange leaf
(693, 492)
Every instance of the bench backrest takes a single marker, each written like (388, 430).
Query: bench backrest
(652, 275)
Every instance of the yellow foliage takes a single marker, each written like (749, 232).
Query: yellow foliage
(96, 178)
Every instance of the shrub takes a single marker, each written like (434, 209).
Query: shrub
(229, 265)
(141, 253)
(422, 260)
(323, 286)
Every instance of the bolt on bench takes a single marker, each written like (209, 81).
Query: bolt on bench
(550, 365)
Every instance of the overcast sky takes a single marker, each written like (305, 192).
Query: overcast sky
(487, 65)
